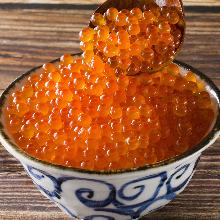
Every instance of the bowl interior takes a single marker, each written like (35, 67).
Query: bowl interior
(184, 68)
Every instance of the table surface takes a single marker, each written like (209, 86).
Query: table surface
(35, 31)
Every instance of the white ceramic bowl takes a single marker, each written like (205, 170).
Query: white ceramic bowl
(122, 195)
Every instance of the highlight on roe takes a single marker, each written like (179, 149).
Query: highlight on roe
(75, 115)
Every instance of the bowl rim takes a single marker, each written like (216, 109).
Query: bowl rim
(196, 149)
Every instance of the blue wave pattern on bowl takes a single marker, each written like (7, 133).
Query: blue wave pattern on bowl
(167, 187)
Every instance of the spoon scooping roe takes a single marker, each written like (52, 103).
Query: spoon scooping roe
(134, 41)
(90, 112)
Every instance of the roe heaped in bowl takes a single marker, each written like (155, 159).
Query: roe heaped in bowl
(121, 194)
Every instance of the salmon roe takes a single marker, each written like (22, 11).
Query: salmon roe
(148, 37)
(105, 122)
(90, 112)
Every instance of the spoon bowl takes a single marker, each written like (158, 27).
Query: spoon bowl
(174, 5)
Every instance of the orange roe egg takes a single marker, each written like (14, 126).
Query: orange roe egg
(48, 67)
(137, 12)
(120, 19)
(133, 113)
(28, 131)
(27, 91)
(111, 50)
(95, 131)
(132, 19)
(21, 109)
(55, 123)
(42, 108)
(42, 126)
(98, 19)
(55, 76)
(97, 64)
(41, 139)
(102, 33)
(86, 34)
(84, 120)
(111, 14)
(96, 90)
(66, 59)
(134, 29)
(115, 112)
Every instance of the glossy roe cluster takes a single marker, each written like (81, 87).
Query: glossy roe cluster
(133, 41)
(84, 116)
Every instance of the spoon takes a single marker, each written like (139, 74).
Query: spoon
(148, 5)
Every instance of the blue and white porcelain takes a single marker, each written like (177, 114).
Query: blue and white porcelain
(121, 195)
